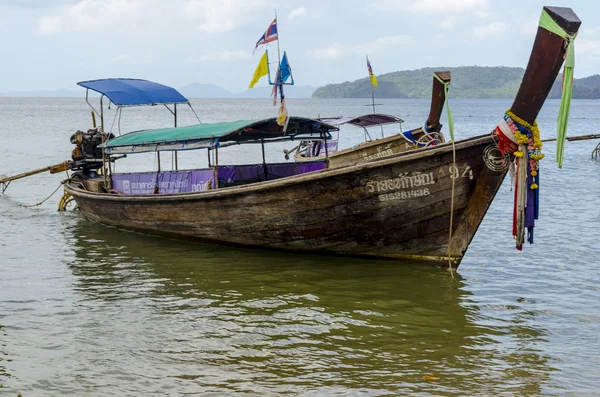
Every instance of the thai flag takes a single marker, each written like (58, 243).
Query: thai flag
(369, 67)
(269, 36)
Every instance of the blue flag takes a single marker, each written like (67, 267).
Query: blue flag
(286, 71)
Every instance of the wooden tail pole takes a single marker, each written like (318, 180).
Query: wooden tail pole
(575, 138)
(438, 97)
(53, 169)
(546, 59)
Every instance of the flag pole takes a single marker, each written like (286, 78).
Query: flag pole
(279, 59)
(278, 53)
(373, 93)
(373, 96)
(280, 77)
(372, 87)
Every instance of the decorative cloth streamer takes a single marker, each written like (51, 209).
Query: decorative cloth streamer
(450, 116)
(550, 25)
(522, 141)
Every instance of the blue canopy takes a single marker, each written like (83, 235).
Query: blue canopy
(134, 92)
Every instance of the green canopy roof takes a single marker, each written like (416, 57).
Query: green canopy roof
(210, 135)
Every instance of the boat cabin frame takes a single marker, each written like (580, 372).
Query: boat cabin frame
(209, 136)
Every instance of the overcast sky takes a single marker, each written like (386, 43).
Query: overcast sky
(52, 44)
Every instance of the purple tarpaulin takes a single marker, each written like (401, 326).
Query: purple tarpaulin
(256, 172)
(170, 182)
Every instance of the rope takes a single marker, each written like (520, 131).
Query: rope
(47, 198)
(454, 167)
(452, 209)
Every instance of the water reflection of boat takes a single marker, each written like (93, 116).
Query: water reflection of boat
(292, 322)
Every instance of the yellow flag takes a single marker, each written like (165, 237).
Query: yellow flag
(374, 80)
(261, 70)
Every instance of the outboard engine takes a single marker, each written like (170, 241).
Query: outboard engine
(87, 156)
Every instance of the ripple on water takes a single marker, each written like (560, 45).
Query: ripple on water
(91, 310)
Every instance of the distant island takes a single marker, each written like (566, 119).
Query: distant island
(467, 82)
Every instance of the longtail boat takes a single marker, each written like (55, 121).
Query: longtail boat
(423, 136)
(421, 205)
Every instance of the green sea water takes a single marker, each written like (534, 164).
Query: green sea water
(88, 310)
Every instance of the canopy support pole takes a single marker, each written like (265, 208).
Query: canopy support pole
(103, 135)
(190, 105)
(94, 111)
(216, 172)
(208, 152)
(175, 116)
(119, 122)
(262, 145)
(109, 166)
(367, 134)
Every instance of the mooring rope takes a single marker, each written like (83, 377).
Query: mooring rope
(446, 85)
(454, 167)
(47, 198)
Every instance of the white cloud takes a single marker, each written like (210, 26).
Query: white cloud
(448, 22)
(48, 25)
(98, 15)
(431, 6)
(491, 29)
(125, 15)
(382, 44)
(119, 59)
(297, 12)
(589, 32)
(334, 51)
(337, 50)
(224, 56)
(529, 27)
(586, 46)
(223, 15)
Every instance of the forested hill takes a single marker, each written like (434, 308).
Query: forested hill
(467, 82)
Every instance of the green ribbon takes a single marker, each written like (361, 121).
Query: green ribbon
(550, 25)
(450, 116)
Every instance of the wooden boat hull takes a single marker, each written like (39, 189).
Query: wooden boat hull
(396, 207)
(376, 149)
(370, 150)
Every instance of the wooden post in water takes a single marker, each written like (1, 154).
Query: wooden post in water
(544, 64)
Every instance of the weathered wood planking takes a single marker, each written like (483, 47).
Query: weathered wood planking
(374, 149)
(397, 207)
